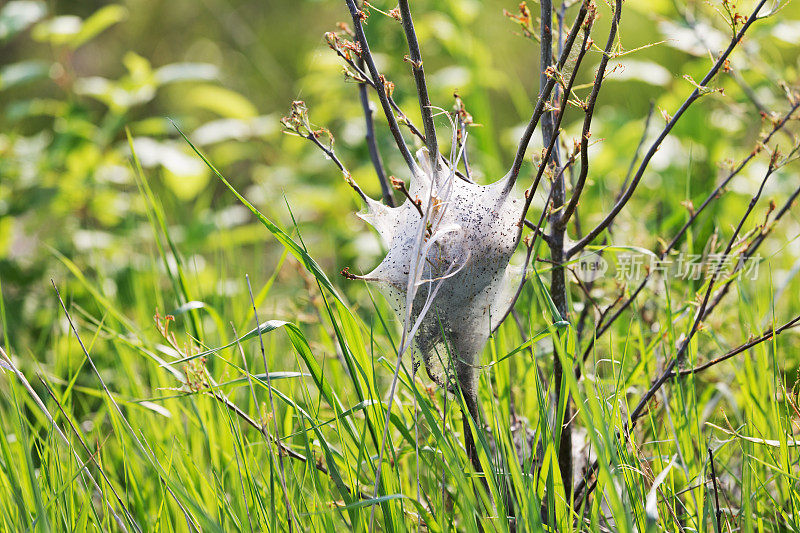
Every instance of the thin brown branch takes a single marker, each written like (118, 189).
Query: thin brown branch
(603, 326)
(544, 96)
(667, 373)
(380, 84)
(638, 150)
(553, 139)
(585, 312)
(537, 232)
(558, 284)
(372, 145)
(298, 123)
(400, 185)
(718, 190)
(718, 511)
(696, 93)
(415, 58)
(769, 334)
(587, 121)
(360, 76)
(753, 247)
(679, 356)
(289, 452)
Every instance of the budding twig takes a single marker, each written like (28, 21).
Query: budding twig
(544, 96)
(400, 185)
(696, 93)
(603, 326)
(551, 144)
(298, 123)
(380, 85)
(587, 121)
(419, 78)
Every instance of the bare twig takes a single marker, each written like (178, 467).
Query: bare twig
(415, 58)
(400, 185)
(584, 488)
(696, 93)
(639, 147)
(372, 145)
(752, 248)
(463, 120)
(718, 512)
(544, 96)
(363, 77)
(289, 452)
(521, 281)
(721, 186)
(537, 233)
(380, 85)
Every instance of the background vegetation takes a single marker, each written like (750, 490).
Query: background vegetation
(132, 226)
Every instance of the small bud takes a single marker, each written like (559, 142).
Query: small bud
(346, 273)
(774, 158)
(332, 39)
(343, 27)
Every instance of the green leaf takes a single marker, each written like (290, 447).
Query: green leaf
(22, 72)
(99, 21)
(58, 30)
(138, 66)
(551, 306)
(175, 72)
(224, 102)
(17, 16)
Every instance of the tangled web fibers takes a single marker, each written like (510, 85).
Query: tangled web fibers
(449, 256)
